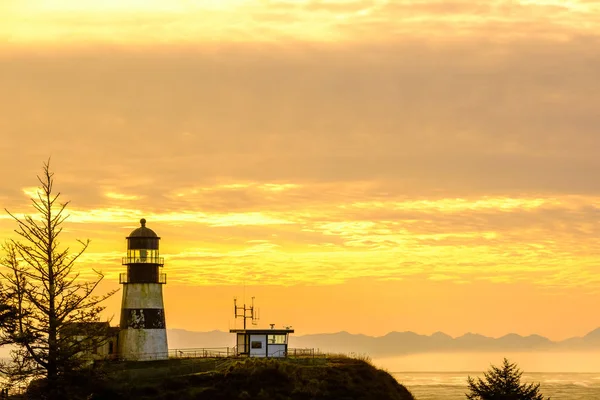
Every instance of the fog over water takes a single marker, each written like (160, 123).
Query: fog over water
(453, 385)
(550, 361)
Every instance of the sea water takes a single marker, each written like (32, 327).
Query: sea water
(563, 375)
(453, 385)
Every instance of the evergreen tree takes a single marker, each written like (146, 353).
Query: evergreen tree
(7, 318)
(51, 315)
(503, 383)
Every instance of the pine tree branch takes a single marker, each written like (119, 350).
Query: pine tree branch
(47, 293)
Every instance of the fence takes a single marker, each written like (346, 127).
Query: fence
(214, 352)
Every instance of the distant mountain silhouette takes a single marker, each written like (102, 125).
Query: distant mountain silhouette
(397, 343)
(182, 339)
(593, 335)
(394, 343)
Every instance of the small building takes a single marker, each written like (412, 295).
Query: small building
(99, 340)
(269, 343)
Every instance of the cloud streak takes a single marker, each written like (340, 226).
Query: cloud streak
(546, 240)
(207, 21)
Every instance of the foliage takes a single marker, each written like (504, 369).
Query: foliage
(7, 318)
(55, 315)
(503, 383)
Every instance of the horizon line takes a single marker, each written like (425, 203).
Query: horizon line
(413, 332)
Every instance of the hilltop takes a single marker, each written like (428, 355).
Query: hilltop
(283, 379)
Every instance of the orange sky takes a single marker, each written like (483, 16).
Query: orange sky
(359, 165)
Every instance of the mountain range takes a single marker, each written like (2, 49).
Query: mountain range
(398, 343)
(392, 344)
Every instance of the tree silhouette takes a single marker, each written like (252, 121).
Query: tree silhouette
(7, 319)
(503, 383)
(51, 315)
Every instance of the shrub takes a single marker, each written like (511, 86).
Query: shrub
(503, 383)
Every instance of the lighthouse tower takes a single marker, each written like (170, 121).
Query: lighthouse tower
(143, 334)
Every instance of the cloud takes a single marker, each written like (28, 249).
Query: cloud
(464, 117)
(311, 240)
(247, 21)
(387, 155)
(121, 196)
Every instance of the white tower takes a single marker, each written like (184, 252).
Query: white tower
(143, 334)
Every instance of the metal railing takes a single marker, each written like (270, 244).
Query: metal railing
(303, 353)
(290, 352)
(143, 356)
(124, 278)
(143, 260)
(214, 352)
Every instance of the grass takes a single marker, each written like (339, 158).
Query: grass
(339, 378)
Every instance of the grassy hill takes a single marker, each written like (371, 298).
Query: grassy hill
(264, 379)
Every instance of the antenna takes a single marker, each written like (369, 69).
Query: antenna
(245, 312)
(255, 319)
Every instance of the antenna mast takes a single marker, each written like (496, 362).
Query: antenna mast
(245, 312)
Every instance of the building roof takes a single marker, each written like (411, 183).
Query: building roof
(142, 231)
(262, 331)
(90, 329)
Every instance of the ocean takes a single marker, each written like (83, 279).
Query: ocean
(453, 385)
(563, 375)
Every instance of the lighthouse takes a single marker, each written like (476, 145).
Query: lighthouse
(143, 334)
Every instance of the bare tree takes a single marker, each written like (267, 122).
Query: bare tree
(55, 315)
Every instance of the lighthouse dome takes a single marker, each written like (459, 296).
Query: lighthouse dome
(142, 231)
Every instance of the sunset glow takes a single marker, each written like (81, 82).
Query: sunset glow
(183, 21)
(406, 164)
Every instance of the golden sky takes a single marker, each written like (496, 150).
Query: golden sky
(360, 165)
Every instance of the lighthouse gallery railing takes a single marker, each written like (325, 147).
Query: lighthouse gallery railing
(124, 278)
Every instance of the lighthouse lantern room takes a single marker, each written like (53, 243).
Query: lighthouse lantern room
(143, 334)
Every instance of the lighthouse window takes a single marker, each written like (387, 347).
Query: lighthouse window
(141, 255)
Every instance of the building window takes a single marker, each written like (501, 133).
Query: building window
(256, 345)
(276, 339)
